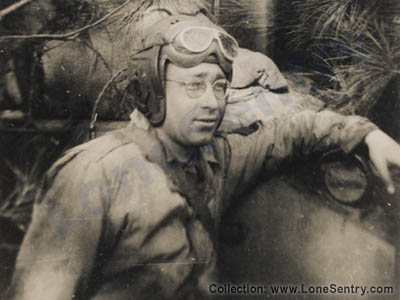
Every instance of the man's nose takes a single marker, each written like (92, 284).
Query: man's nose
(209, 100)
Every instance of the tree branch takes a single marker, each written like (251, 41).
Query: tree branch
(12, 8)
(66, 36)
(97, 53)
(93, 118)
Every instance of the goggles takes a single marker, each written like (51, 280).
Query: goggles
(198, 39)
(188, 41)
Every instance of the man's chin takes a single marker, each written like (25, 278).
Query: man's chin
(201, 140)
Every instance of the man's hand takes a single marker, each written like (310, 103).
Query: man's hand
(383, 151)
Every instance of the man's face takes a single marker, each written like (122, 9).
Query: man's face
(192, 121)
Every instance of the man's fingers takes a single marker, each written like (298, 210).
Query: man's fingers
(391, 189)
(381, 167)
(395, 156)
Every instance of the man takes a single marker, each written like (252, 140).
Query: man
(134, 214)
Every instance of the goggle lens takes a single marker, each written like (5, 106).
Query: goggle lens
(198, 39)
(228, 44)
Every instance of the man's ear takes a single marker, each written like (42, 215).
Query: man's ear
(256, 68)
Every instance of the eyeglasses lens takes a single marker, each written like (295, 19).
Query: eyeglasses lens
(196, 89)
(219, 88)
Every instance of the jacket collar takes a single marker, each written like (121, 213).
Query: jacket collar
(205, 152)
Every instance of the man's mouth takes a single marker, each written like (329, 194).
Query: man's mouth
(207, 119)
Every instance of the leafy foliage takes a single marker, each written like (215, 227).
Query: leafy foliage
(350, 47)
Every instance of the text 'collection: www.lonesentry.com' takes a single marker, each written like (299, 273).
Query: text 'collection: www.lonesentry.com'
(300, 289)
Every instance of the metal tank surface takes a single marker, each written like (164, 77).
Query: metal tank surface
(322, 226)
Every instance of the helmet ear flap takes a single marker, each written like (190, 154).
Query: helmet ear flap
(146, 84)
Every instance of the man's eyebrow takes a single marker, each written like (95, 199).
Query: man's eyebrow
(200, 75)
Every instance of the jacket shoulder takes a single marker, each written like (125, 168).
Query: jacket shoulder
(93, 152)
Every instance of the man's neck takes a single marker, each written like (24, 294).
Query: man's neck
(181, 152)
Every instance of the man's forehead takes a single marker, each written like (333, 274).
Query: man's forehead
(203, 70)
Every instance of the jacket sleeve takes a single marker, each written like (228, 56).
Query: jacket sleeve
(58, 253)
(285, 137)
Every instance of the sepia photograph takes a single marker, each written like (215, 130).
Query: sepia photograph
(199, 149)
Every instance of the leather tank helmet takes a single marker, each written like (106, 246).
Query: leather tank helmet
(185, 41)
